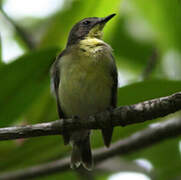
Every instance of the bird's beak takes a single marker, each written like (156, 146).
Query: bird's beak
(106, 19)
(96, 30)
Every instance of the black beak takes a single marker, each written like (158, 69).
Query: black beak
(107, 18)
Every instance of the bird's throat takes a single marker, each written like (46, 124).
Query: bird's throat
(93, 46)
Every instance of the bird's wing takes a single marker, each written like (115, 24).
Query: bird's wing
(107, 132)
(114, 75)
(55, 81)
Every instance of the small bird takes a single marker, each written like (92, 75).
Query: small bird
(84, 79)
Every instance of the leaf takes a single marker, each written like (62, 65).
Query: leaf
(164, 17)
(146, 90)
(164, 157)
(55, 150)
(23, 81)
(0, 51)
(128, 50)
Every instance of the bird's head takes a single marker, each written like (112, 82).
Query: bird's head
(89, 27)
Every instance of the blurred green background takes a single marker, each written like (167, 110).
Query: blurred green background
(146, 38)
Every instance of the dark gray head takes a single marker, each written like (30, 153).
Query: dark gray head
(87, 27)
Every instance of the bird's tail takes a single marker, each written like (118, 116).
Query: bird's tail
(107, 135)
(81, 154)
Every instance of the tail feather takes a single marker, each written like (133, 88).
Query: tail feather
(75, 157)
(86, 155)
(66, 138)
(107, 135)
(81, 154)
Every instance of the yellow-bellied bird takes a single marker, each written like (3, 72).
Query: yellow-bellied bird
(84, 78)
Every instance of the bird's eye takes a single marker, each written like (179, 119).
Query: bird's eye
(86, 22)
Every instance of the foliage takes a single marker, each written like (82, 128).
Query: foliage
(137, 29)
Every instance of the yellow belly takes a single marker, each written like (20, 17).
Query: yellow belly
(85, 87)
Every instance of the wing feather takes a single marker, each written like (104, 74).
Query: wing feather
(55, 79)
(107, 132)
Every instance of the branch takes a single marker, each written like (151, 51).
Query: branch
(20, 31)
(120, 116)
(150, 65)
(139, 140)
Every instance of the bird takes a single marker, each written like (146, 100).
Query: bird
(84, 81)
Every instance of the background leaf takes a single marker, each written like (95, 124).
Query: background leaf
(141, 91)
(23, 81)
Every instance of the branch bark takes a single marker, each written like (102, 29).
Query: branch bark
(120, 116)
(139, 140)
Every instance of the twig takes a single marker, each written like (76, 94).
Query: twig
(150, 65)
(120, 116)
(139, 140)
(20, 31)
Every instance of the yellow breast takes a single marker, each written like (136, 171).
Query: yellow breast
(94, 47)
(86, 83)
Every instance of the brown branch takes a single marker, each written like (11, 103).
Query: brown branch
(139, 140)
(120, 116)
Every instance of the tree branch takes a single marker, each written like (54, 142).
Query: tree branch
(120, 116)
(139, 140)
(150, 65)
(19, 30)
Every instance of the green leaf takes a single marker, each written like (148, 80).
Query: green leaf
(28, 149)
(0, 51)
(164, 17)
(128, 51)
(164, 157)
(22, 82)
(159, 155)
(146, 90)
